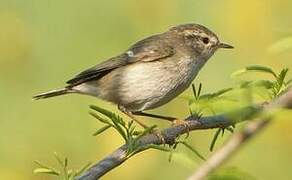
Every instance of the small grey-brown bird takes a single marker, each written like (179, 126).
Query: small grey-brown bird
(150, 73)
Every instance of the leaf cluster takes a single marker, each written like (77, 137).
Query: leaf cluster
(62, 172)
(275, 86)
(126, 130)
(132, 137)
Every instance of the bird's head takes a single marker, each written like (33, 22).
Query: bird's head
(202, 41)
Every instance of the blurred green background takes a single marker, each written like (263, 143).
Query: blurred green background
(44, 43)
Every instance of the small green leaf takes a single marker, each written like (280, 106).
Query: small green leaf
(200, 89)
(193, 150)
(238, 72)
(215, 139)
(136, 133)
(103, 120)
(197, 94)
(289, 82)
(216, 94)
(101, 130)
(132, 130)
(101, 110)
(65, 162)
(281, 76)
(265, 83)
(258, 68)
(245, 84)
(119, 128)
(46, 171)
(146, 131)
(194, 90)
(41, 165)
(118, 123)
(58, 159)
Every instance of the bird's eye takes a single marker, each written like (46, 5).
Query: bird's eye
(206, 40)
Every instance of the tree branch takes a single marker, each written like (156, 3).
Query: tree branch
(238, 139)
(170, 134)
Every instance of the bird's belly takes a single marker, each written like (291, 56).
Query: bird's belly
(145, 86)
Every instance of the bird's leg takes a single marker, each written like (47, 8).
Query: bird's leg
(167, 118)
(131, 115)
(175, 121)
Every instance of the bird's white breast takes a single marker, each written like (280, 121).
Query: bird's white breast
(149, 85)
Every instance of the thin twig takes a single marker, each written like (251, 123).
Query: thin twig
(229, 148)
(170, 134)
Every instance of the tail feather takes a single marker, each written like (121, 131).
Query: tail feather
(56, 92)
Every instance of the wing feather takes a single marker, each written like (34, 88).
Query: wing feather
(146, 50)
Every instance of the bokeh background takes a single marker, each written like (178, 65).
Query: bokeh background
(44, 43)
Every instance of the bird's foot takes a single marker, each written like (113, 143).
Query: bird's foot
(158, 134)
(178, 122)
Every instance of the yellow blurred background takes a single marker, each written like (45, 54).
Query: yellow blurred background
(43, 43)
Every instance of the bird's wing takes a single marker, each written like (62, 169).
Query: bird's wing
(149, 49)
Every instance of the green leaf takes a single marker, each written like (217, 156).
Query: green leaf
(238, 72)
(197, 94)
(216, 94)
(136, 133)
(109, 114)
(101, 130)
(65, 162)
(257, 68)
(118, 123)
(281, 76)
(102, 111)
(264, 83)
(194, 90)
(193, 150)
(101, 119)
(215, 139)
(119, 128)
(46, 171)
(132, 130)
(42, 165)
(245, 84)
(146, 131)
(58, 159)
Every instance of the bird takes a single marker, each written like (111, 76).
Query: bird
(150, 73)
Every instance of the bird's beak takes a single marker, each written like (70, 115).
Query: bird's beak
(225, 46)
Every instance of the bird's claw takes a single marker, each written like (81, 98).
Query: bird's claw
(184, 123)
(158, 134)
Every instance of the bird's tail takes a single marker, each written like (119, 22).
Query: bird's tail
(56, 92)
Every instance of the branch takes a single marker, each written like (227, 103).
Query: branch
(238, 139)
(230, 147)
(170, 134)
